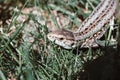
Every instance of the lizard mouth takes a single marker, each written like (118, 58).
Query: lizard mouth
(62, 44)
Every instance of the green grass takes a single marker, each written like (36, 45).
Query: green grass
(41, 59)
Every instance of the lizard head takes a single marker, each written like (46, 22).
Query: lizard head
(62, 37)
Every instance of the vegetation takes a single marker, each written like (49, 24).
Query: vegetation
(27, 54)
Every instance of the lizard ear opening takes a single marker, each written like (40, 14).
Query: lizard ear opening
(73, 45)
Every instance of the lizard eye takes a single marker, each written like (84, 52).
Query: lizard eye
(61, 38)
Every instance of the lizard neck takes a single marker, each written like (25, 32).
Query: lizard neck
(95, 22)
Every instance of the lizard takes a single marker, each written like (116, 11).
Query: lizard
(90, 30)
